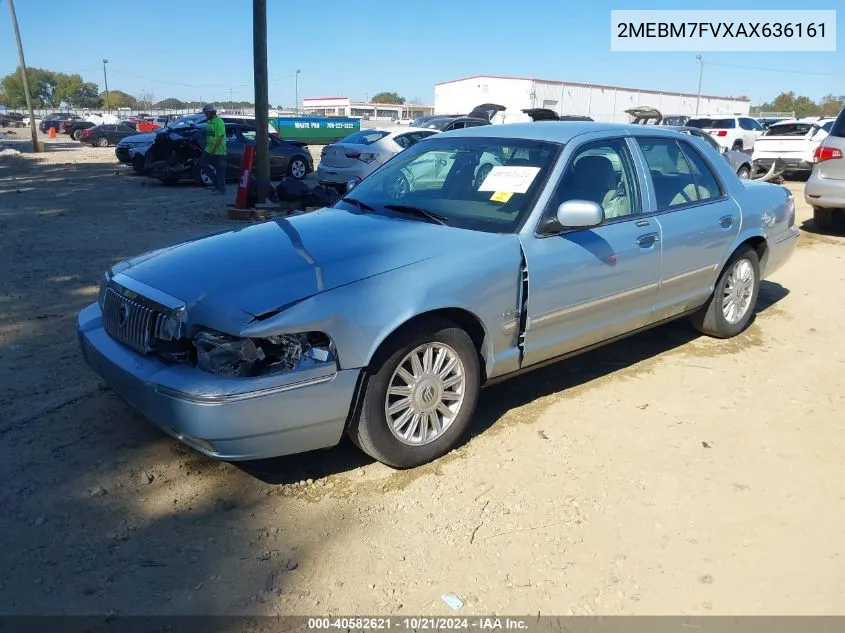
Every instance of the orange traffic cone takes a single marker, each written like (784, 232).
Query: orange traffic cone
(52, 132)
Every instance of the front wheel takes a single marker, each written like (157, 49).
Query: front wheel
(731, 306)
(77, 134)
(744, 172)
(420, 397)
(102, 142)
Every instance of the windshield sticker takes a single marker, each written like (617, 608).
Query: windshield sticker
(501, 196)
(509, 179)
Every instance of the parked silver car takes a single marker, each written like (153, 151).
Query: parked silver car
(383, 316)
(361, 153)
(825, 189)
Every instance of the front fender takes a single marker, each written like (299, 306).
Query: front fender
(358, 317)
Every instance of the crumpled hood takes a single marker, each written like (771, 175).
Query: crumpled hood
(265, 267)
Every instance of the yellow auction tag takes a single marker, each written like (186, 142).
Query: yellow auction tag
(501, 196)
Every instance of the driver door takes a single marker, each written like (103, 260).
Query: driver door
(590, 285)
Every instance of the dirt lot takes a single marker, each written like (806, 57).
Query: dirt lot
(665, 474)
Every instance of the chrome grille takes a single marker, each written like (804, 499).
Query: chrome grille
(132, 323)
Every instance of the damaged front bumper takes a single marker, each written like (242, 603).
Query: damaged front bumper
(229, 419)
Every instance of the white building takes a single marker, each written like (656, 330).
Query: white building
(344, 106)
(602, 103)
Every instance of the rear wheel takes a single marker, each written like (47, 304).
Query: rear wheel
(298, 168)
(77, 134)
(731, 306)
(102, 142)
(420, 396)
(829, 219)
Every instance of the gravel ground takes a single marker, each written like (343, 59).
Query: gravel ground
(665, 474)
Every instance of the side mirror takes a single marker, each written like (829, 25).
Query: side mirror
(351, 184)
(582, 214)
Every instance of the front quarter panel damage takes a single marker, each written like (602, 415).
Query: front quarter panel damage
(483, 281)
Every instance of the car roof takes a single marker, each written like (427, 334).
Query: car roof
(557, 131)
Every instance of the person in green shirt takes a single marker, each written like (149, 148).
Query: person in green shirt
(215, 147)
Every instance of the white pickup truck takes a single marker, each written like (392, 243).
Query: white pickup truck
(793, 142)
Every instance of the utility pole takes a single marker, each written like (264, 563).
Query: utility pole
(700, 74)
(297, 91)
(262, 99)
(24, 80)
(106, 81)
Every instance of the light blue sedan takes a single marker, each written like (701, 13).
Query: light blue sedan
(468, 258)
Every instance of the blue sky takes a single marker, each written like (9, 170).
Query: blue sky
(192, 49)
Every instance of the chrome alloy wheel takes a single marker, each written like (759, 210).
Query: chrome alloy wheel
(739, 288)
(425, 394)
(298, 168)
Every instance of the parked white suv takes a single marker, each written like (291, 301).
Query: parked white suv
(737, 133)
(794, 141)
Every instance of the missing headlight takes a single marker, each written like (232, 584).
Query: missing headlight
(225, 355)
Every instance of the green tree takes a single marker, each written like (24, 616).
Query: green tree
(831, 105)
(42, 85)
(388, 97)
(170, 104)
(73, 91)
(118, 99)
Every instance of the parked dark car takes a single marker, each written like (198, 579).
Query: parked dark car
(74, 129)
(11, 119)
(176, 156)
(55, 120)
(480, 115)
(107, 134)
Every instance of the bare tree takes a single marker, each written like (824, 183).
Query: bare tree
(145, 100)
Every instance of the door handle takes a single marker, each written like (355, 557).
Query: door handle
(641, 223)
(726, 221)
(644, 241)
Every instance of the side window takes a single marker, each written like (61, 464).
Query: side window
(456, 126)
(679, 174)
(755, 125)
(602, 172)
(707, 186)
(403, 140)
(231, 134)
(745, 124)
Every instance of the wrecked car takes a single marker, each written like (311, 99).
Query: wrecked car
(383, 315)
(176, 155)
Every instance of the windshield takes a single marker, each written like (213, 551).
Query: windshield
(480, 183)
(712, 124)
(186, 121)
(365, 137)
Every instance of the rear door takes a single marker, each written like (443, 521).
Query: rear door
(698, 219)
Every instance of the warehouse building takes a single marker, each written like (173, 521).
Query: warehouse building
(344, 106)
(602, 103)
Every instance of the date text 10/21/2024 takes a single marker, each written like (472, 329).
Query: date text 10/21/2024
(419, 623)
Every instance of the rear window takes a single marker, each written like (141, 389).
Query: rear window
(789, 129)
(713, 124)
(365, 137)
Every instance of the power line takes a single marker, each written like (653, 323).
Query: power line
(774, 70)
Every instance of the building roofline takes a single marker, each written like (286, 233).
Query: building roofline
(583, 85)
(322, 98)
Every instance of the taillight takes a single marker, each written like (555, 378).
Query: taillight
(86, 132)
(721, 133)
(366, 157)
(826, 153)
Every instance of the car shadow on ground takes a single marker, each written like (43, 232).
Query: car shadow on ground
(810, 226)
(498, 399)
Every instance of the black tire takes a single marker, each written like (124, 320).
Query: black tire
(370, 431)
(77, 134)
(744, 172)
(298, 165)
(710, 319)
(138, 162)
(197, 175)
(829, 219)
(102, 142)
(737, 146)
